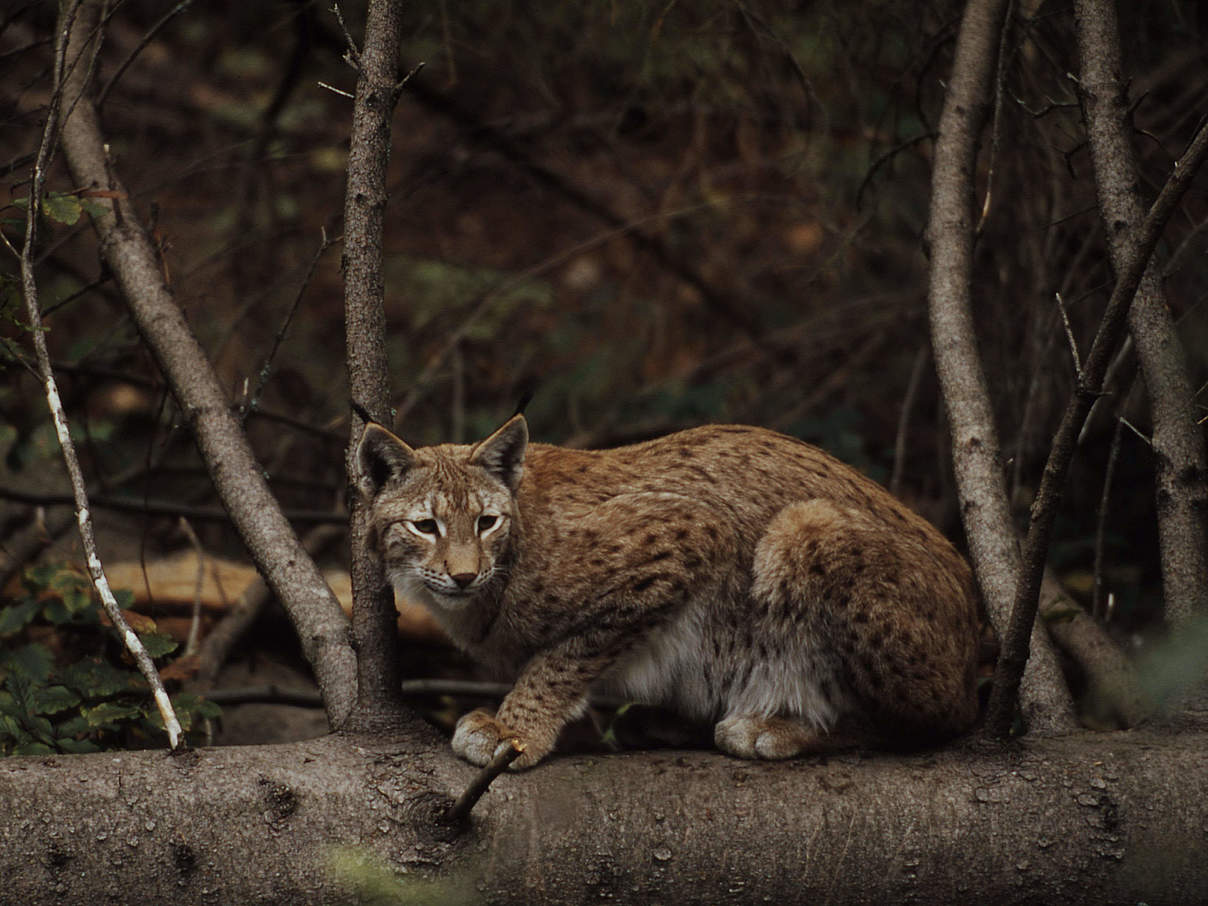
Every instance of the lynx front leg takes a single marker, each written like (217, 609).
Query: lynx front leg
(551, 692)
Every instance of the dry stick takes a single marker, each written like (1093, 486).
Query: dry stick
(266, 369)
(76, 474)
(195, 623)
(1114, 689)
(217, 645)
(1014, 654)
(238, 477)
(507, 752)
(1180, 453)
(899, 444)
(976, 458)
(374, 623)
(1098, 604)
(145, 506)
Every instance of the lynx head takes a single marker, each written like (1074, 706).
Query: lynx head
(443, 518)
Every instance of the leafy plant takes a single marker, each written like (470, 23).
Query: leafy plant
(65, 683)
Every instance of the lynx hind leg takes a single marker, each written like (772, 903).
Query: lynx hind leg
(893, 605)
(768, 738)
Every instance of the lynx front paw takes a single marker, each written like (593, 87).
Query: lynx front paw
(768, 738)
(478, 735)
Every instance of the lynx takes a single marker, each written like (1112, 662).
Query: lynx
(731, 574)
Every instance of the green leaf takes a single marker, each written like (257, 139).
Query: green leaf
(31, 662)
(108, 714)
(74, 726)
(53, 699)
(77, 746)
(41, 728)
(94, 678)
(158, 643)
(33, 748)
(93, 207)
(65, 209)
(9, 727)
(16, 617)
(124, 598)
(56, 612)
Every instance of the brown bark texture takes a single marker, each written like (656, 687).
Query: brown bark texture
(1180, 460)
(1082, 818)
(238, 478)
(373, 615)
(981, 485)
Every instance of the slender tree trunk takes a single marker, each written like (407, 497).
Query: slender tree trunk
(373, 614)
(1180, 461)
(237, 477)
(981, 486)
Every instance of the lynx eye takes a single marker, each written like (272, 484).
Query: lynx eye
(425, 526)
(486, 523)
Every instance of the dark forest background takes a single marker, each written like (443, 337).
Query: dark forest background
(651, 214)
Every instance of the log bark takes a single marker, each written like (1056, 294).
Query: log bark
(1081, 818)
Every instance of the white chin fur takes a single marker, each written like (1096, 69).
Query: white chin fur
(415, 589)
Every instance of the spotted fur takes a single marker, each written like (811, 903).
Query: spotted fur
(730, 573)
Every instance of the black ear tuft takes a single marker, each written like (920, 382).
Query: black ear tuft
(380, 458)
(502, 454)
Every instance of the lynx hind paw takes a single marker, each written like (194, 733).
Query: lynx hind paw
(767, 738)
(477, 738)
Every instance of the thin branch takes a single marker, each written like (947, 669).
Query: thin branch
(1015, 643)
(216, 648)
(79, 490)
(1069, 335)
(195, 623)
(146, 39)
(904, 419)
(147, 506)
(279, 337)
(507, 752)
(1098, 602)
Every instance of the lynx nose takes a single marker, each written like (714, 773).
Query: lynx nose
(463, 580)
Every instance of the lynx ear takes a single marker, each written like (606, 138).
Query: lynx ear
(502, 454)
(380, 457)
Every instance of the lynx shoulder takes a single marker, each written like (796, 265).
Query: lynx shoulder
(730, 573)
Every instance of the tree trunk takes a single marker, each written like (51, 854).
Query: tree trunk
(238, 478)
(1180, 460)
(1107, 818)
(985, 512)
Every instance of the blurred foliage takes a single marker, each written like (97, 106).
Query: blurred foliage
(656, 214)
(66, 684)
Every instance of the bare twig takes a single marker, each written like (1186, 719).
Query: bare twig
(904, 418)
(507, 752)
(266, 368)
(146, 506)
(1015, 642)
(146, 39)
(195, 623)
(30, 289)
(1069, 335)
(1098, 604)
(216, 647)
